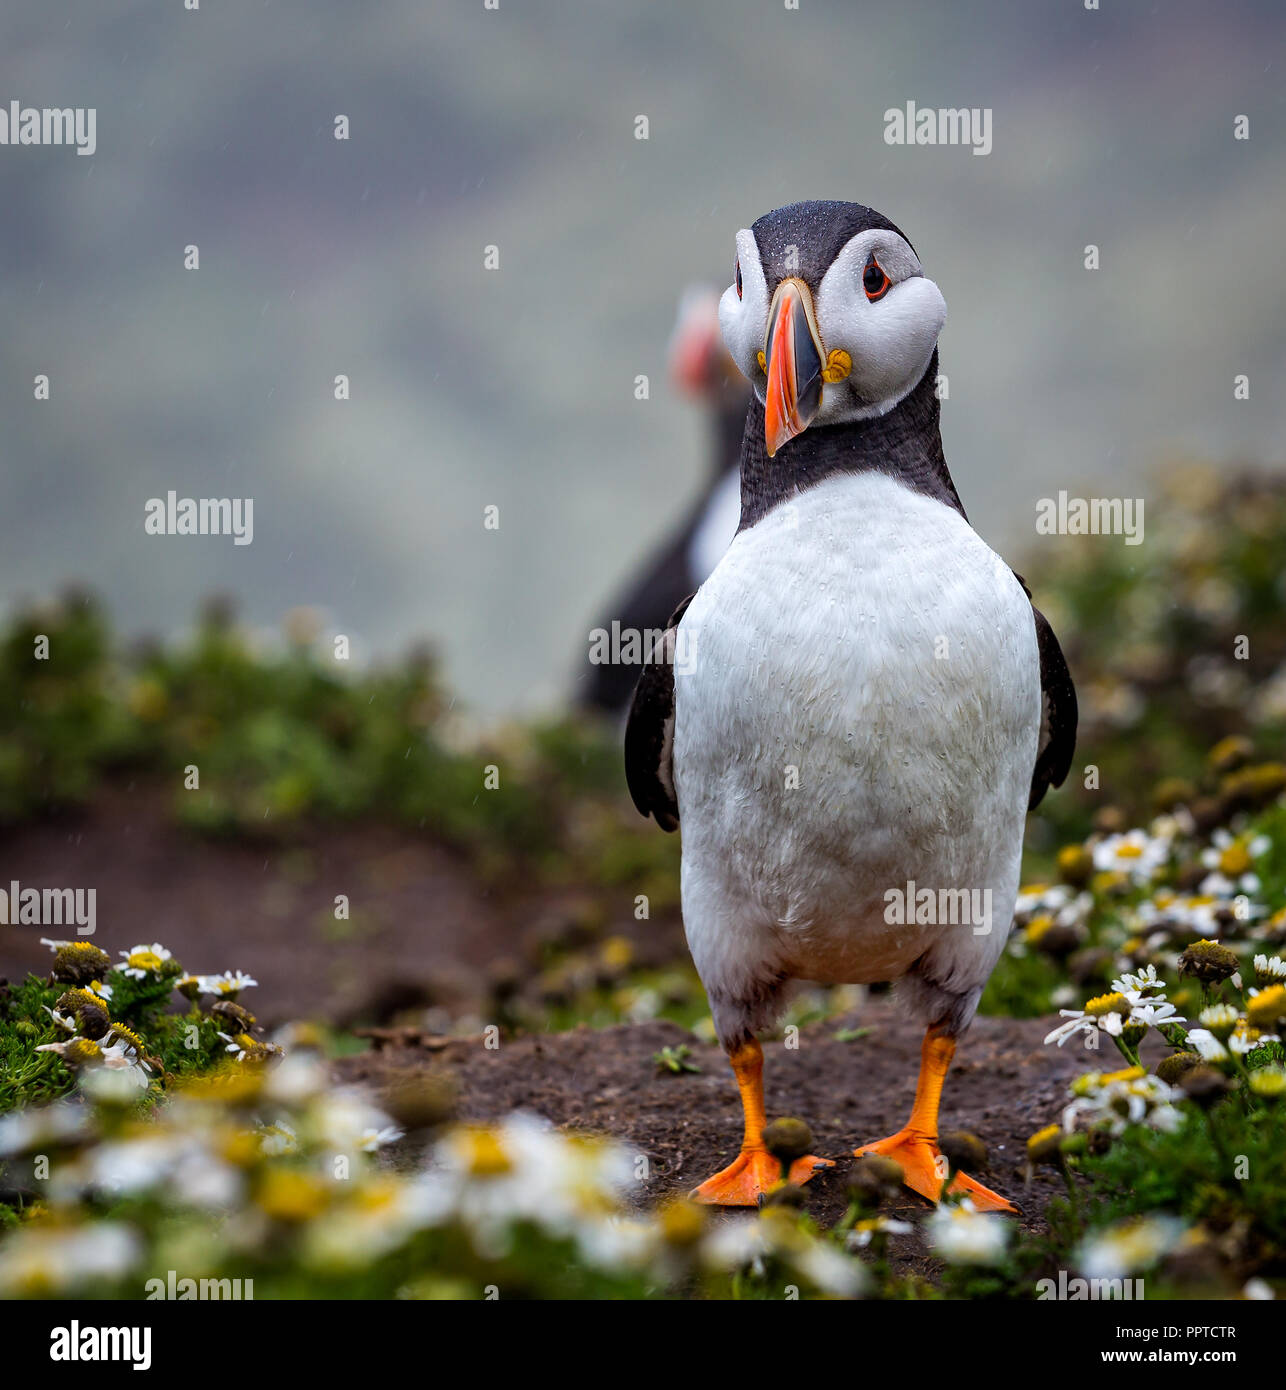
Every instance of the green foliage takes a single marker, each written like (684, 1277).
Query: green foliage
(287, 735)
(63, 722)
(675, 1060)
(174, 1042)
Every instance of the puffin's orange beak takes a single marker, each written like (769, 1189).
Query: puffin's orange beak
(793, 362)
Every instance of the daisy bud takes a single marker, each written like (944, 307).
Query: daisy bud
(963, 1150)
(1231, 753)
(232, 1016)
(79, 963)
(88, 1010)
(1205, 1086)
(1171, 792)
(874, 1177)
(682, 1222)
(1251, 787)
(1208, 812)
(1132, 1034)
(1209, 962)
(1268, 1083)
(788, 1139)
(1174, 1068)
(1046, 1146)
(420, 1102)
(1075, 865)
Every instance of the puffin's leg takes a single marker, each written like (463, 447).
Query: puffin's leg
(754, 1171)
(915, 1146)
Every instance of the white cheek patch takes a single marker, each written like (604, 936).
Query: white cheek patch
(890, 340)
(744, 321)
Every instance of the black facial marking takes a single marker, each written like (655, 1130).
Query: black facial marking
(905, 443)
(803, 239)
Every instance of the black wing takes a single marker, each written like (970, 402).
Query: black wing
(1057, 710)
(649, 731)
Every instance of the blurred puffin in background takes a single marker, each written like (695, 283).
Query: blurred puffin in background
(864, 703)
(702, 369)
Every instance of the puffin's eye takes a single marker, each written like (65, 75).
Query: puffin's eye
(874, 281)
(737, 273)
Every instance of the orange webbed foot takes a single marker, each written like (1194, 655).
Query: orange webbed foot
(924, 1170)
(751, 1176)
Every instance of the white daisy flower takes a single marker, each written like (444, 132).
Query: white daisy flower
(1241, 1042)
(1270, 969)
(226, 986)
(1174, 825)
(278, 1139)
(1219, 1019)
(830, 1271)
(40, 1259)
(865, 1231)
(142, 961)
(1145, 982)
(1135, 853)
(1208, 1046)
(370, 1140)
(41, 1126)
(1108, 1013)
(963, 1236)
(1041, 897)
(346, 1120)
(114, 1053)
(1155, 1015)
(1119, 1099)
(1124, 1249)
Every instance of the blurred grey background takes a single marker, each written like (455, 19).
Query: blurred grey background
(515, 127)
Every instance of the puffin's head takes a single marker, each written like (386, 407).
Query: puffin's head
(699, 362)
(830, 316)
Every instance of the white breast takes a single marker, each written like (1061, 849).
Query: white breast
(862, 711)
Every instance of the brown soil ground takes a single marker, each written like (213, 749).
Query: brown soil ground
(425, 931)
(422, 929)
(1005, 1085)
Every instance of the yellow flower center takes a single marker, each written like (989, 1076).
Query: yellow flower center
(1038, 926)
(132, 1041)
(377, 1195)
(1235, 861)
(1105, 1004)
(144, 960)
(682, 1222)
(485, 1155)
(1268, 1006)
(287, 1195)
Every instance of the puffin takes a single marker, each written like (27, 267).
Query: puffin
(851, 716)
(700, 367)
